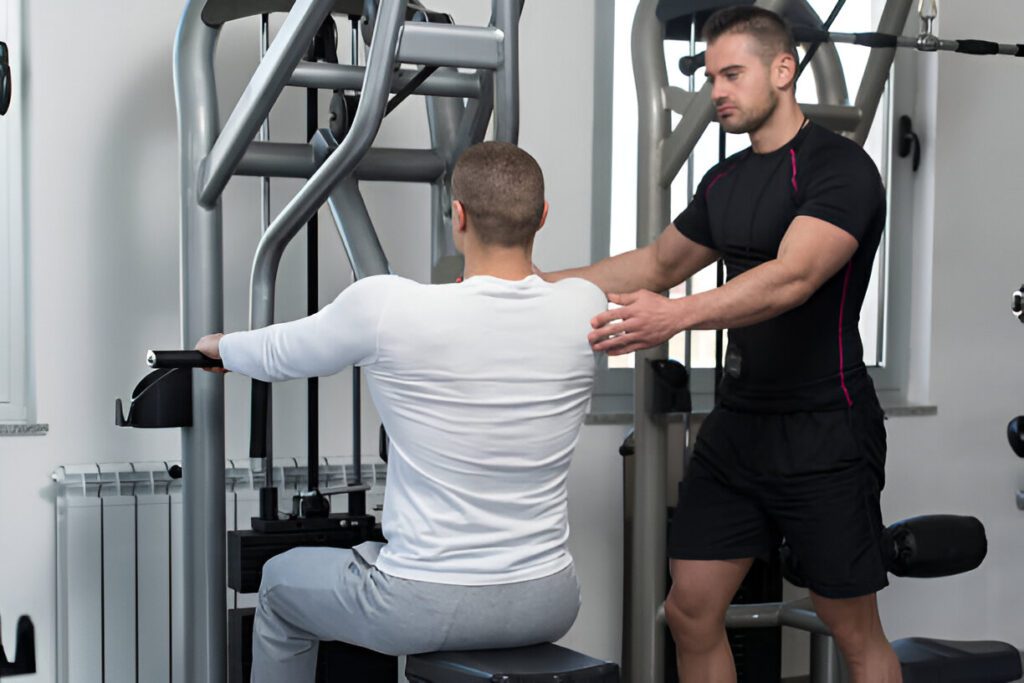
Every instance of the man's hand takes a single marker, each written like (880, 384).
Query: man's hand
(209, 346)
(645, 319)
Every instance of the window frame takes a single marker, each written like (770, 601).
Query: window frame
(15, 395)
(613, 391)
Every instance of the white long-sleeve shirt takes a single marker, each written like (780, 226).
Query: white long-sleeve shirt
(482, 386)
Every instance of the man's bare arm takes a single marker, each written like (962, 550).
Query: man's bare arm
(659, 266)
(811, 252)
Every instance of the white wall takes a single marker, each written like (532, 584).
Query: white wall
(959, 461)
(103, 231)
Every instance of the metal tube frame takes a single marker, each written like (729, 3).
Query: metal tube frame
(254, 105)
(661, 154)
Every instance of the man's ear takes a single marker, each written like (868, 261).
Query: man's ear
(784, 68)
(544, 215)
(458, 216)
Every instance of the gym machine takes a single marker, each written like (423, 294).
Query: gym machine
(460, 104)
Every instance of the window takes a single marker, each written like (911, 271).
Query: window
(14, 395)
(697, 349)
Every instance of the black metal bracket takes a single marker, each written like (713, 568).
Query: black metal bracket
(908, 141)
(24, 651)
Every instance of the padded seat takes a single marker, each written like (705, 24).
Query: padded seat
(925, 660)
(536, 664)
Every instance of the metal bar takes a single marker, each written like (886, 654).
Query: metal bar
(202, 312)
(264, 129)
(826, 663)
(753, 616)
(277, 159)
(335, 490)
(506, 80)
(259, 96)
(336, 166)
(400, 165)
(471, 47)
(876, 71)
(294, 160)
(443, 83)
(836, 117)
(679, 145)
(365, 254)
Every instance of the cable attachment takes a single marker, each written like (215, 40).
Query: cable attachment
(928, 10)
(1017, 304)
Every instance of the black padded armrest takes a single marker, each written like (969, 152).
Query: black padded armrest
(935, 545)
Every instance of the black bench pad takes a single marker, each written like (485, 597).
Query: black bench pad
(925, 660)
(536, 664)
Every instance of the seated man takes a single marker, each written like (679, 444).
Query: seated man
(482, 386)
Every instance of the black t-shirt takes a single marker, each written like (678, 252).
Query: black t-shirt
(811, 357)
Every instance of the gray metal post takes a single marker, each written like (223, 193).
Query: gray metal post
(826, 663)
(202, 444)
(643, 645)
(506, 18)
(876, 71)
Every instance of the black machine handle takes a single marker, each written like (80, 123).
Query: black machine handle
(6, 84)
(1015, 435)
(908, 141)
(181, 359)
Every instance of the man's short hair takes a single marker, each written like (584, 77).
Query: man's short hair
(770, 30)
(501, 188)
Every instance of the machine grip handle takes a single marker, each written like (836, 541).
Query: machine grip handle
(181, 359)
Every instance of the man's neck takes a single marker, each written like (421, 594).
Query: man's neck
(782, 127)
(511, 263)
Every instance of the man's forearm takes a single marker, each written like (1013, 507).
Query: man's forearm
(762, 293)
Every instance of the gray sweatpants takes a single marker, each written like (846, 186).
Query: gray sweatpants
(313, 594)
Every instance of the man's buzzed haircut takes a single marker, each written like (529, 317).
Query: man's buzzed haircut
(769, 29)
(501, 188)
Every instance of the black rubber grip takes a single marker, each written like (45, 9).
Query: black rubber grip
(806, 34)
(1020, 49)
(259, 420)
(875, 39)
(181, 359)
(977, 47)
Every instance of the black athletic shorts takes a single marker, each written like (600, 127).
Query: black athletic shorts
(812, 479)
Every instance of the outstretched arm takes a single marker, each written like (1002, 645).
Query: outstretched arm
(341, 334)
(659, 266)
(811, 252)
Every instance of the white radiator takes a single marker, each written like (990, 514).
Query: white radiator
(119, 579)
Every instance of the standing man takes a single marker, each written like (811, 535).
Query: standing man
(796, 448)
